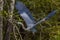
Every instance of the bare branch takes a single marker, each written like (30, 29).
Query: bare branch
(10, 18)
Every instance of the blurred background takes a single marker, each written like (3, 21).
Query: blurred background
(48, 30)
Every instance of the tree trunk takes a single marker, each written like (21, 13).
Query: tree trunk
(1, 20)
(1, 26)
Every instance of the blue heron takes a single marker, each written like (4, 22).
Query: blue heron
(28, 18)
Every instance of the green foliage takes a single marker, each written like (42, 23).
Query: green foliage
(40, 9)
(48, 30)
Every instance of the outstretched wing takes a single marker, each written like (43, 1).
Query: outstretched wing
(25, 14)
(47, 17)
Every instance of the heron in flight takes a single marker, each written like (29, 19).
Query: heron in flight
(28, 18)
